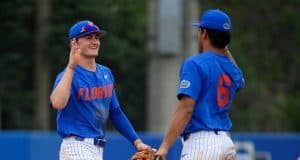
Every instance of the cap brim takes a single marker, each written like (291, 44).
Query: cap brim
(101, 33)
(196, 24)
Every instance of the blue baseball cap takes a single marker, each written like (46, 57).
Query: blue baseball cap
(214, 19)
(83, 28)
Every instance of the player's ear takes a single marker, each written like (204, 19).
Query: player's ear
(199, 34)
(74, 40)
(204, 33)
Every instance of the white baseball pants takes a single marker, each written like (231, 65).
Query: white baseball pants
(208, 145)
(72, 149)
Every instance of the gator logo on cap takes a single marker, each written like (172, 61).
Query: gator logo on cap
(83, 29)
(88, 27)
(226, 26)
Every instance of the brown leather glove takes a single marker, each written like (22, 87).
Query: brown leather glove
(147, 154)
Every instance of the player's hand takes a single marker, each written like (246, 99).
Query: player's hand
(227, 51)
(160, 154)
(158, 157)
(139, 145)
(74, 57)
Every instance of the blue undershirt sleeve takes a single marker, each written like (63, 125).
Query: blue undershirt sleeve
(122, 124)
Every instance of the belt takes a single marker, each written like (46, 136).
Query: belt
(96, 141)
(186, 136)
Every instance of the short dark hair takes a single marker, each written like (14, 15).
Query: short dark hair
(219, 39)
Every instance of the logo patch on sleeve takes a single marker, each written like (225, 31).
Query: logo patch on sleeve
(185, 84)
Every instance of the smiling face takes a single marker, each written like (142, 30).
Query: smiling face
(89, 45)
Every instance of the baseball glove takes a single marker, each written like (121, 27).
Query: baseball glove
(147, 154)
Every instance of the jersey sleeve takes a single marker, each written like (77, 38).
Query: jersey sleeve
(114, 101)
(241, 80)
(190, 80)
(119, 119)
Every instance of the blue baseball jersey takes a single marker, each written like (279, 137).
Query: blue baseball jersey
(92, 97)
(212, 81)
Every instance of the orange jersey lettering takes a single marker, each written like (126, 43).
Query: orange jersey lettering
(95, 92)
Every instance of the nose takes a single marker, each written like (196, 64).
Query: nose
(95, 39)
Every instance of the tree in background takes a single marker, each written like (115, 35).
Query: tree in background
(41, 68)
(265, 43)
(16, 83)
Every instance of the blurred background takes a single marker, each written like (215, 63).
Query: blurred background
(145, 46)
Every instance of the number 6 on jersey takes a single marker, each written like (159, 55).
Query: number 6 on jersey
(223, 90)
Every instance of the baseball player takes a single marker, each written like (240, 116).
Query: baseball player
(208, 83)
(85, 98)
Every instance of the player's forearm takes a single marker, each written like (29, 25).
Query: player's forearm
(179, 121)
(60, 95)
